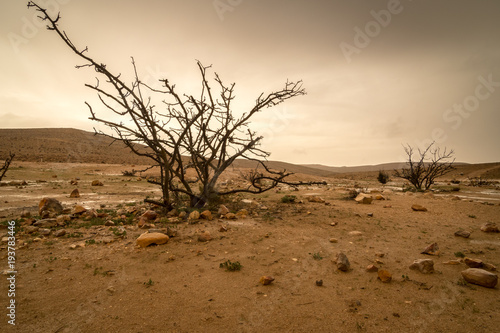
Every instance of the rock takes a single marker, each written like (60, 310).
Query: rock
(452, 262)
(173, 213)
(242, 213)
(204, 236)
(462, 233)
(60, 233)
(418, 208)
(25, 214)
(363, 198)
(44, 232)
(62, 219)
(473, 263)
(387, 206)
(314, 198)
(425, 266)
(371, 268)
(432, 250)
(109, 223)
(97, 183)
(266, 280)
(319, 283)
(29, 229)
(49, 207)
(147, 239)
(379, 197)
(334, 240)
(194, 215)
(223, 228)
(489, 267)
(231, 216)
(182, 215)
(206, 215)
(355, 233)
(490, 227)
(343, 263)
(223, 210)
(73, 182)
(480, 277)
(171, 232)
(384, 275)
(75, 193)
(150, 215)
(46, 223)
(78, 210)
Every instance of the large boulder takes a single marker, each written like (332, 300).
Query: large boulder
(363, 198)
(49, 207)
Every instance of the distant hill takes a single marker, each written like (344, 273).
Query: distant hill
(362, 168)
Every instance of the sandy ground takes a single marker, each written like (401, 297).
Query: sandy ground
(111, 285)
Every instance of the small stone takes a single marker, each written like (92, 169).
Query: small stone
(206, 215)
(44, 232)
(242, 213)
(334, 240)
(384, 275)
(480, 277)
(25, 214)
(452, 262)
(489, 267)
(432, 250)
(418, 208)
(204, 236)
(333, 224)
(369, 214)
(473, 263)
(60, 233)
(194, 215)
(109, 223)
(182, 215)
(314, 198)
(223, 210)
(490, 227)
(73, 182)
(29, 229)
(371, 268)
(150, 215)
(425, 266)
(379, 197)
(222, 228)
(62, 219)
(355, 233)
(387, 206)
(147, 239)
(75, 193)
(266, 280)
(171, 232)
(46, 223)
(462, 233)
(363, 198)
(231, 216)
(111, 290)
(97, 183)
(319, 283)
(343, 263)
(78, 210)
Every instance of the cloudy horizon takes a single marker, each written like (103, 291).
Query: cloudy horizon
(378, 74)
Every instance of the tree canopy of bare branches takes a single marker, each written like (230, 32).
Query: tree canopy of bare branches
(428, 165)
(200, 133)
(6, 165)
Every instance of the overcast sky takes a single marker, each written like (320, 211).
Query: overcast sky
(377, 73)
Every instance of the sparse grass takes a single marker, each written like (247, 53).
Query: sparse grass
(472, 216)
(288, 199)
(231, 266)
(92, 222)
(51, 259)
(317, 256)
(459, 254)
(75, 234)
(90, 241)
(150, 283)
(49, 243)
(118, 233)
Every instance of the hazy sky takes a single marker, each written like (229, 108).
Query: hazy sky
(377, 73)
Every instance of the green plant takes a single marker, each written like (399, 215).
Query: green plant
(51, 259)
(149, 283)
(90, 241)
(459, 254)
(317, 256)
(288, 199)
(472, 216)
(231, 266)
(119, 232)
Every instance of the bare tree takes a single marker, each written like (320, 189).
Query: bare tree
(430, 164)
(5, 167)
(199, 133)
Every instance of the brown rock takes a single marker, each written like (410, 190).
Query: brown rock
(109, 223)
(194, 215)
(371, 268)
(379, 197)
(231, 216)
(49, 207)
(489, 267)
(60, 233)
(473, 263)
(29, 229)
(462, 233)
(490, 227)
(425, 266)
(384, 275)
(97, 183)
(314, 198)
(62, 219)
(182, 215)
(78, 210)
(46, 223)
(242, 213)
(206, 215)
(223, 210)
(223, 228)
(75, 193)
(432, 250)
(44, 232)
(363, 198)
(452, 262)
(480, 277)
(418, 208)
(25, 214)
(171, 232)
(266, 280)
(150, 215)
(204, 236)
(147, 239)
(343, 263)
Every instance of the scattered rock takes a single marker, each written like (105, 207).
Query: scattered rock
(319, 283)
(147, 239)
(242, 213)
(355, 233)
(29, 229)
(363, 198)
(77, 245)
(425, 266)
(384, 275)
(62, 219)
(371, 268)
(97, 183)
(109, 223)
(182, 215)
(206, 215)
(171, 232)
(75, 193)
(314, 198)
(334, 240)
(418, 208)
(343, 263)
(379, 197)
(222, 228)
(480, 277)
(78, 210)
(60, 233)
(473, 263)
(490, 227)
(223, 210)
(204, 236)
(452, 262)
(266, 280)
(462, 233)
(46, 223)
(387, 206)
(489, 267)
(194, 215)
(230, 216)
(49, 207)
(369, 214)
(25, 214)
(432, 250)
(150, 215)
(73, 182)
